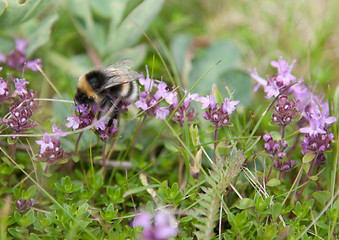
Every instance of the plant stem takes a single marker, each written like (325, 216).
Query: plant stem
(215, 144)
(269, 173)
(137, 134)
(283, 130)
(181, 166)
(104, 158)
(306, 179)
(77, 143)
(44, 176)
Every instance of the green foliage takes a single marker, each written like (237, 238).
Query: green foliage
(230, 197)
(220, 177)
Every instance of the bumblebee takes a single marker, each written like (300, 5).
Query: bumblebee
(104, 86)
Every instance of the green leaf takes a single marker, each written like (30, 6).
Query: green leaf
(3, 6)
(308, 157)
(211, 128)
(140, 189)
(179, 47)
(17, 12)
(273, 182)
(6, 43)
(16, 233)
(39, 33)
(238, 82)
(323, 197)
(276, 210)
(245, 203)
(66, 182)
(128, 33)
(230, 57)
(31, 191)
(109, 8)
(27, 219)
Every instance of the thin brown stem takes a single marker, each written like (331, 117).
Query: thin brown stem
(77, 143)
(104, 158)
(306, 179)
(181, 166)
(270, 171)
(283, 130)
(215, 143)
(137, 135)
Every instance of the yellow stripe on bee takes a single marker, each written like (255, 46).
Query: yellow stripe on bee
(87, 89)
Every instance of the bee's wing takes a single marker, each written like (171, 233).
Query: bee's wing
(123, 64)
(118, 73)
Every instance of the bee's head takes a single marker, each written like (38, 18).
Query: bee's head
(82, 98)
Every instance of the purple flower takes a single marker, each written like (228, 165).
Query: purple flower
(21, 112)
(100, 124)
(162, 227)
(161, 112)
(45, 142)
(73, 122)
(318, 124)
(141, 102)
(229, 106)
(190, 97)
(172, 98)
(285, 111)
(56, 129)
(24, 205)
(271, 89)
(51, 150)
(32, 64)
(105, 131)
(284, 76)
(20, 45)
(20, 87)
(3, 87)
(217, 114)
(17, 58)
(208, 101)
(277, 83)
(260, 80)
(162, 91)
(147, 82)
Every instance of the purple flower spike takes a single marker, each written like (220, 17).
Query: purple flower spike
(284, 76)
(163, 226)
(260, 80)
(20, 87)
(229, 106)
(20, 45)
(3, 87)
(45, 142)
(73, 122)
(17, 58)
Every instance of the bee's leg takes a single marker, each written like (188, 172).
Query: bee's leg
(115, 113)
(102, 106)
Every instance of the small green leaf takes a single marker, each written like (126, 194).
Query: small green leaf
(323, 197)
(308, 157)
(245, 203)
(31, 192)
(211, 128)
(276, 210)
(273, 182)
(140, 189)
(313, 178)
